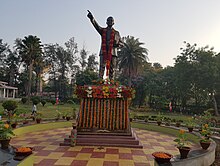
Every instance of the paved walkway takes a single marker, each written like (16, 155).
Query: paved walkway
(48, 152)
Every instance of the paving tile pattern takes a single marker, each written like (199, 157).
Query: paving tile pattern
(48, 152)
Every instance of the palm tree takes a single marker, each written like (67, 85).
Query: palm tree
(30, 49)
(132, 57)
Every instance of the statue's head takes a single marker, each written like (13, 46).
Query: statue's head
(110, 21)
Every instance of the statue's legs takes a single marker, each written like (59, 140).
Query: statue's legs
(113, 67)
(101, 66)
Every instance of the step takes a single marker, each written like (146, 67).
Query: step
(106, 137)
(104, 145)
(105, 133)
(110, 141)
(111, 145)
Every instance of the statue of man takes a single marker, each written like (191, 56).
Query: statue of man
(111, 41)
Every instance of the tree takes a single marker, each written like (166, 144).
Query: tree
(3, 54)
(51, 59)
(12, 62)
(92, 63)
(30, 49)
(207, 76)
(183, 73)
(40, 67)
(132, 57)
(82, 59)
(62, 64)
(86, 77)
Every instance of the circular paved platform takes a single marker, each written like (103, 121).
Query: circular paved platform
(48, 152)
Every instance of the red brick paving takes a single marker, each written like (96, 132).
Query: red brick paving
(48, 152)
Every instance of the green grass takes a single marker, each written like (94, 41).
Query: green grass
(172, 115)
(41, 127)
(48, 111)
(165, 130)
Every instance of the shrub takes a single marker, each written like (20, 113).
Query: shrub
(74, 113)
(71, 102)
(43, 102)
(53, 102)
(211, 111)
(10, 105)
(35, 100)
(24, 100)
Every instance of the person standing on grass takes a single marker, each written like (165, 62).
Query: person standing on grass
(34, 110)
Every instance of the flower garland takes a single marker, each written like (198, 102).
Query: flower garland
(104, 91)
(107, 54)
(94, 113)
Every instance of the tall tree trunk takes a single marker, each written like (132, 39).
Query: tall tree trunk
(30, 80)
(55, 84)
(215, 105)
(11, 77)
(39, 84)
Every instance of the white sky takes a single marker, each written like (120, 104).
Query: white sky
(162, 25)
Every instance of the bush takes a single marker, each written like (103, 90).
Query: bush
(35, 100)
(43, 102)
(53, 102)
(10, 105)
(211, 111)
(24, 100)
(71, 102)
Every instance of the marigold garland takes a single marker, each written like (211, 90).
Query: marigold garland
(104, 110)
(121, 113)
(80, 112)
(85, 113)
(110, 115)
(94, 124)
(126, 113)
(100, 113)
(91, 113)
(115, 113)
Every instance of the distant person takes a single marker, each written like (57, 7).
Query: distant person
(57, 101)
(34, 110)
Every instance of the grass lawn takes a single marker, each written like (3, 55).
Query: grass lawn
(41, 127)
(171, 115)
(165, 130)
(48, 111)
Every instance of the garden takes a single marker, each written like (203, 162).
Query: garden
(197, 129)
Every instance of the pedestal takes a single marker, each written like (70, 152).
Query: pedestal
(103, 115)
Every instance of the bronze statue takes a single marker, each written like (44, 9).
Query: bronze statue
(111, 41)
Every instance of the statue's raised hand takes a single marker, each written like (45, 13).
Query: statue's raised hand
(89, 15)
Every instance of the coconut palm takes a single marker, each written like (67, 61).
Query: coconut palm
(30, 49)
(132, 57)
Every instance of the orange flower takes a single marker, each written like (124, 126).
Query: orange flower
(24, 149)
(6, 126)
(182, 131)
(206, 125)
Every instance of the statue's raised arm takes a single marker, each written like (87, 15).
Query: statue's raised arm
(94, 23)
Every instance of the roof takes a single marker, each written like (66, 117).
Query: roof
(2, 82)
(3, 86)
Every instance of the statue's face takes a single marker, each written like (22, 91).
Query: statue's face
(110, 21)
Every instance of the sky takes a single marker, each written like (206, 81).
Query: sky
(162, 25)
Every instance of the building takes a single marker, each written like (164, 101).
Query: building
(6, 91)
